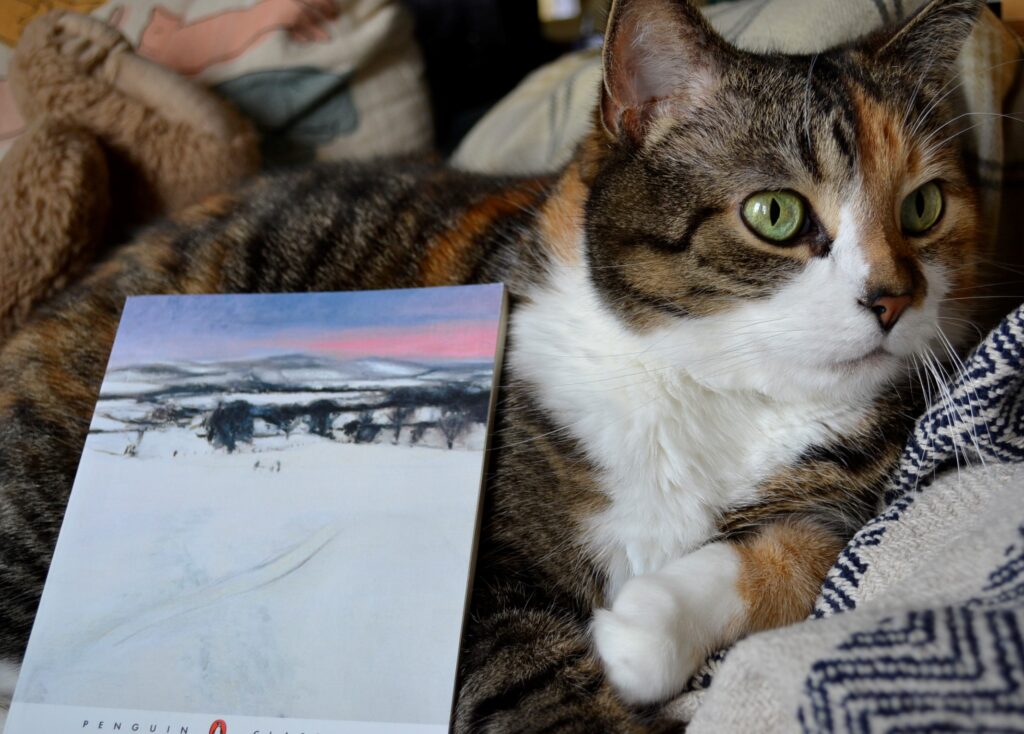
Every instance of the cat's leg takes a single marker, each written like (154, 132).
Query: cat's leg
(50, 374)
(662, 625)
(8, 677)
(528, 666)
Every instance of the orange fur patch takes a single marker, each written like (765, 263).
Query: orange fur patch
(108, 270)
(887, 160)
(155, 255)
(781, 571)
(561, 219)
(216, 205)
(205, 275)
(450, 260)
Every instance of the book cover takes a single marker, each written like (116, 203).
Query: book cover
(273, 523)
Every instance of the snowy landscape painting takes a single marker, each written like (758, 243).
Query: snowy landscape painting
(275, 511)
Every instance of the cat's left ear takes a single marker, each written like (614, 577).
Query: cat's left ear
(660, 56)
(929, 42)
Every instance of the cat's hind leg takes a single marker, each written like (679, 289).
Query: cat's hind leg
(50, 374)
(528, 666)
(662, 625)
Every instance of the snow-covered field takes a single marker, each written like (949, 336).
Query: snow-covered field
(301, 577)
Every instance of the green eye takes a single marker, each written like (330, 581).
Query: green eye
(922, 209)
(777, 216)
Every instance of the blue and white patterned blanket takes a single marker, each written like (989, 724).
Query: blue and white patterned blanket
(981, 420)
(920, 624)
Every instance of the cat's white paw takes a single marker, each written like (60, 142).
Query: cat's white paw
(662, 625)
(642, 641)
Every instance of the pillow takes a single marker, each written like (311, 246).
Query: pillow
(319, 82)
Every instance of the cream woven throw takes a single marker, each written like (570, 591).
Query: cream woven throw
(930, 637)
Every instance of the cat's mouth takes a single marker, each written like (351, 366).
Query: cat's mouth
(876, 357)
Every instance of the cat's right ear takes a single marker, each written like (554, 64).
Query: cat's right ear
(660, 57)
(930, 41)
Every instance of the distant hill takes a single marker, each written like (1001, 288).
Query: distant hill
(282, 373)
(239, 402)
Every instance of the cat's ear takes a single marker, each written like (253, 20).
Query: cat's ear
(929, 42)
(659, 56)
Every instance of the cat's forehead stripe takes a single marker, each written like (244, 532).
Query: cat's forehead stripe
(844, 136)
(887, 159)
(828, 125)
(883, 149)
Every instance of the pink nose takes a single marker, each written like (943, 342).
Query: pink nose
(888, 309)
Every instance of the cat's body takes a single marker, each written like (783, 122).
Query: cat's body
(695, 416)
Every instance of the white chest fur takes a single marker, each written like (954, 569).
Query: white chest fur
(672, 454)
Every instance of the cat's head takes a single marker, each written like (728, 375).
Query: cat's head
(792, 225)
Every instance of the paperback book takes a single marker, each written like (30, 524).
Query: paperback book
(273, 524)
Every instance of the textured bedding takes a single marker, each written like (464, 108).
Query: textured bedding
(321, 79)
(920, 624)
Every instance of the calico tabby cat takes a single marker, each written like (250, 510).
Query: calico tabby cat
(716, 305)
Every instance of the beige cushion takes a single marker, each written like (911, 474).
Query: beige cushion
(318, 82)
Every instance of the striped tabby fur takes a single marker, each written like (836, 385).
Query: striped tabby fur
(661, 449)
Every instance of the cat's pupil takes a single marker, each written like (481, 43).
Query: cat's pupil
(775, 211)
(920, 204)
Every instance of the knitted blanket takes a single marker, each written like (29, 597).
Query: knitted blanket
(930, 637)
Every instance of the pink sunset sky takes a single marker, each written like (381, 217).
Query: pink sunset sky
(446, 340)
(427, 324)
